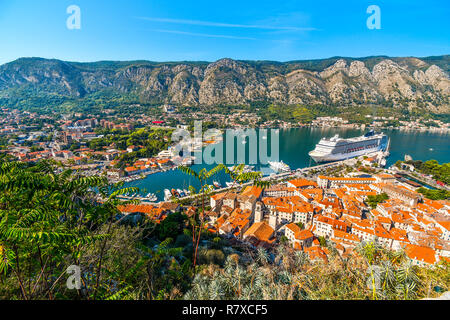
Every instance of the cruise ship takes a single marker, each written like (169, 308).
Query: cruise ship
(337, 149)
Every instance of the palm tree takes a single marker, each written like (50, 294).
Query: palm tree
(391, 274)
(407, 280)
(370, 252)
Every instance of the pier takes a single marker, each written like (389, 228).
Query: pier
(293, 174)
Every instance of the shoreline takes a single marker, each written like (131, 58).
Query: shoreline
(294, 164)
(435, 130)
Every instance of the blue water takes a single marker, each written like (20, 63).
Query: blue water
(295, 145)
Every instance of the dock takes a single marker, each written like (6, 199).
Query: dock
(293, 174)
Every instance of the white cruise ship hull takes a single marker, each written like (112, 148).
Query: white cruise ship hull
(320, 158)
(338, 149)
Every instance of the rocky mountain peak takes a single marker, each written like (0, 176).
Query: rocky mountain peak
(403, 82)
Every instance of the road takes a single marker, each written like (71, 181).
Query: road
(425, 180)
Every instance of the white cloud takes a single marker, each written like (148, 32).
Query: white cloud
(226, 25)
(202, 34)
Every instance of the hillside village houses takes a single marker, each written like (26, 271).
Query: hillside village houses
(65, 133)
(304, 211)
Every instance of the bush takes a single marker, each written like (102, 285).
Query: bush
(435, 194)
(211, 256)
(373, 201)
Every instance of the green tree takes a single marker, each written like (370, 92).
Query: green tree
(172, 226)
(322, 241)
(373, 201)
(45, 219)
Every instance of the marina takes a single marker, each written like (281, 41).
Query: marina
(294, 147)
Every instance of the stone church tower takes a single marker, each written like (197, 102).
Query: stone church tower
(259, 214)
(273, 217)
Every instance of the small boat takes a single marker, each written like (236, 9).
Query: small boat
(279, 166)
(246, 168)
(217, 184)
(180, 192)
(229, 184)
(175, 193)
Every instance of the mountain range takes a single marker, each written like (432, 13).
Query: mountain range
(398, 82)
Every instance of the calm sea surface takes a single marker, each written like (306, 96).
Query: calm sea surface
(295, 145)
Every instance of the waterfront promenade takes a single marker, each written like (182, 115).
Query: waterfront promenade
(424, 180)
(293, 174)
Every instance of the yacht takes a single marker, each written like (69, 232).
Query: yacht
(279, 166)
(246, 168)
(167, 195)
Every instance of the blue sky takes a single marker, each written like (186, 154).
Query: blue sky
(209, 30)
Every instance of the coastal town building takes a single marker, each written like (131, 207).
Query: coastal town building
(260, 234)
(336, 209)
(402, 193)
(298, 237)
(331, 182)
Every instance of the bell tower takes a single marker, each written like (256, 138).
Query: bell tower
(259, 215)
